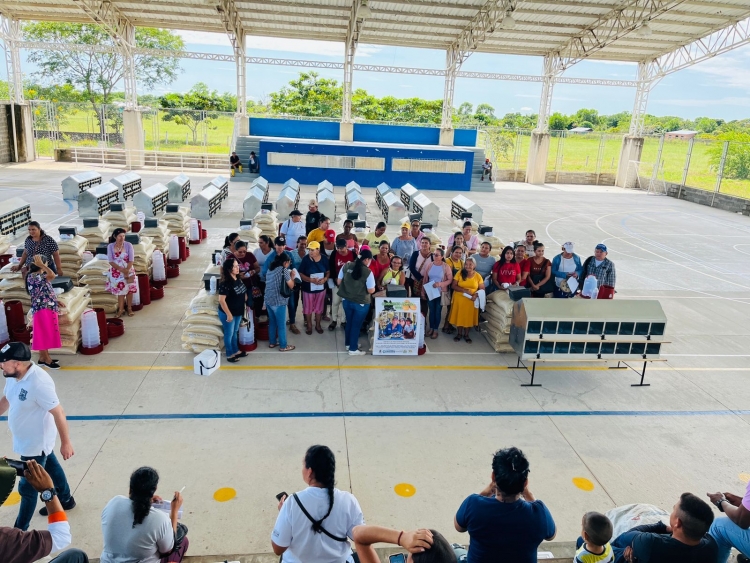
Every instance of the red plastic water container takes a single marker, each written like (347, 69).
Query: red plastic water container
(173, 271)
(5, 259)
(261, 331)
(144, 287)
(204, 234)
(115, 327)
(157, 293)
(183, 248)
(248, 347)
(101, 319)
(606, 292)
(135, 227)
(14, 315)
(21, 335)
(91, 351)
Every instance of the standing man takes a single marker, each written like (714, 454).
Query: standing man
(234, 163)
(487, 169)
(35, 418)
(312, 219)
(601, 267)
(293, 228)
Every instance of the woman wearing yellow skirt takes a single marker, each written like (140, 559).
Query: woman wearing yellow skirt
(465, 285)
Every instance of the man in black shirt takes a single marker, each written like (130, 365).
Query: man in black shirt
(685, 540)
(234, 163)
(312, 219)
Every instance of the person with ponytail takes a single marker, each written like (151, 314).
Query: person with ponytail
(44, 309)
(228, 249)
(315, 525)
(505, 521)
(135, 530)
(356, 284)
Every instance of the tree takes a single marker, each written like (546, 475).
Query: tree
(583, 115)
(737, 164)
(559, 122)
(199, 105)
(465, 109)
(97, 74)
(707, 124)
(309, 95)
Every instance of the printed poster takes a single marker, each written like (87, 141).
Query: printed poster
(397, 327)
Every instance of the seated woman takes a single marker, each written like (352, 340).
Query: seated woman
(135, 530)
(506, 271)
(505, 517)
(464, 315)
(540, 280)
(314, 526)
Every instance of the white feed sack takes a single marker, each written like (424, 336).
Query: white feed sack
(4, 244)
(202, 328)
(71, 304)
(71, 255)
(96, 235)
(178, 222)
(121, 219)
(94, 276)
(159, 235)
(497, 315)
(142, 255)
(267, 223)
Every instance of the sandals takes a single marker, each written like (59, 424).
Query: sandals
(289, 348)
(272, 345)
(308, 330)
(293, 328)
(468, 340)
(319, 330)
(332, 326)
(434, 334)
(233, 360)
(131, 313)
(119, 314)
(457, 338)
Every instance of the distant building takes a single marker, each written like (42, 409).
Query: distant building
(681, 135)
(580, 130)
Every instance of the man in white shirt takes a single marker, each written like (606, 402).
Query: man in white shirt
(293, 228)
(24, 547)
(35, 418)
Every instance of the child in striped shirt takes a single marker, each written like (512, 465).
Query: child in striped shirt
(596, 533)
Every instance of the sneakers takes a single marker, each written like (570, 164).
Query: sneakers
(357, 353)
(70, 506)
(52, 365)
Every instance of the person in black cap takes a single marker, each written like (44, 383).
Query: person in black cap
(17, 546)
(35, 418)
(293, 228)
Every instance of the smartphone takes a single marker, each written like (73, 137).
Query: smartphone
(281, 495)
(19, 466)
(397, 558)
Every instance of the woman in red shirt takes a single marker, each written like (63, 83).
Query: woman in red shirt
(540, 273)
(523, 263)
(381, 261)
(506, 271)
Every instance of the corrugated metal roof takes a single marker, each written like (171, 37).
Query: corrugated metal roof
(542, 26)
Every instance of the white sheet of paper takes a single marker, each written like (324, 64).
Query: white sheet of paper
(572, 284)
(431, 291)
(317, 286)
(467, 295)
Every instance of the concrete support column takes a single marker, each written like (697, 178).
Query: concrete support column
(132, 126)
(631, 149)
(243, 125)
(346, 131)
(536, 167)
(446, 137)
(26, 139)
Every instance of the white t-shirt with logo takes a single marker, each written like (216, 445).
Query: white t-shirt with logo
(294, 530)
(31, 399)
(292, 231)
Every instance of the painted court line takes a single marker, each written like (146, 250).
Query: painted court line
(381, 367)
(391, 414)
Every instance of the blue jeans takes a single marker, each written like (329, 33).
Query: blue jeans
(727, 535)
(71, 556)
(355, 316)
(436, 311)
(231, 332)
(277, 323)
(292, 305)
(29, 494)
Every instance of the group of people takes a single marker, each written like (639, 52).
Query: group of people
(40, 264)
(235, 164)
(504, 521)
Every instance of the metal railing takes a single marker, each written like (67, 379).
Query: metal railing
(132, 159)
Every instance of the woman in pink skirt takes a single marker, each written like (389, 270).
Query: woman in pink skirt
(46, 331)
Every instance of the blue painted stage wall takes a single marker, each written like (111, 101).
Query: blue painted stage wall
(410, 135)
(365, 178)
(364, 132)
(296, 128)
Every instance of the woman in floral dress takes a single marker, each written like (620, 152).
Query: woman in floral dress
(46, 331)
(121, 280)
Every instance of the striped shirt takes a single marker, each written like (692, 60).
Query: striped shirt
(583, 555)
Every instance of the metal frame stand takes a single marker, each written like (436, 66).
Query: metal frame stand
(643, 374)
(532, 373)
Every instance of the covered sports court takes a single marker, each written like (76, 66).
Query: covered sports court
(415, 437)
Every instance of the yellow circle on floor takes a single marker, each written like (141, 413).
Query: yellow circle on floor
(745, 477)
(405, 490)
(583, 483)
(13, 498)
(224, 494)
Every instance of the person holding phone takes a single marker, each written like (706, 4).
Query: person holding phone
(233, 300)
(315, 525)
(135, 530)
(17, 546)
(35, 417)
(422, 546)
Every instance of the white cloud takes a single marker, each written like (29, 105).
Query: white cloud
(308, 47)
(554, 98)
(727, 70)
(526, 109)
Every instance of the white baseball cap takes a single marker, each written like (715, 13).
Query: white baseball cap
(568, 246)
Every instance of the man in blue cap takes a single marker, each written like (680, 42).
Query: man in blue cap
(601, 267)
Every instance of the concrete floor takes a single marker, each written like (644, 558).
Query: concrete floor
(433, 421)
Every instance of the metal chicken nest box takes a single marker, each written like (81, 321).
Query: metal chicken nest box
(152, 200)
(393, 209)
(77, 183)
(96, 201)
(128, 185)
(206, 204)
(179, 188)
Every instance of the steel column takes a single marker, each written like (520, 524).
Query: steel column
(129, 75)
(353, 30)
(11, 32)
(552, 70)
(640, 104)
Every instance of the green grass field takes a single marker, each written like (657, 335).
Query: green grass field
(569, 153)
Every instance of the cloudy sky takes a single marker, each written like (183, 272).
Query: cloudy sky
(717, 88)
